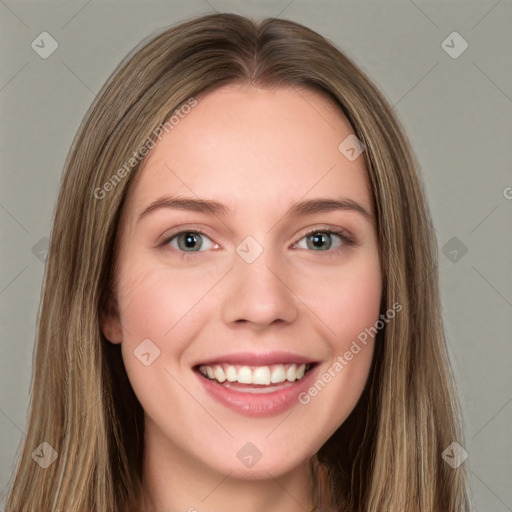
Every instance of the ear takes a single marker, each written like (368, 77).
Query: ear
(110, 322)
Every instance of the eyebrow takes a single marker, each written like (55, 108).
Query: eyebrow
(302, 208)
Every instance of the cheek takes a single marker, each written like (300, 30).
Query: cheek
(156, 305)
(359, 303)
(351, 307)
(153, 301)
(350, 302)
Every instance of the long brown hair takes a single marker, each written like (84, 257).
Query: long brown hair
(387, 454)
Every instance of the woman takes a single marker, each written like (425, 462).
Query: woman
(260, 370)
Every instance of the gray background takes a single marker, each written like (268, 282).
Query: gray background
(456, 111)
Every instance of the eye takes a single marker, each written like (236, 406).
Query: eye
(322, 240)
(189, 241)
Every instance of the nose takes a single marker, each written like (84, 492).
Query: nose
(259, 293)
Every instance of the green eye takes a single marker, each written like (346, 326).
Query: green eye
(322, 240)
(190, 241)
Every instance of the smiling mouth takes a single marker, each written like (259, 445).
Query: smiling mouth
(245, 385)
(266, 377)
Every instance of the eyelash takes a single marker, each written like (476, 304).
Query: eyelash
(346, 241)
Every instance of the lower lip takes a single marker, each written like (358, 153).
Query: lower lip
(258, 404)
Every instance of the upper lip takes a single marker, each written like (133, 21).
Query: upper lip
(258, 359)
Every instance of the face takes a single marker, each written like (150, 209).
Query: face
(239, 322)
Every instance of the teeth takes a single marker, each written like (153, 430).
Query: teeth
(231, 374)
(301, 370)
(278, 374)
(219, 374)
(261, 375)
(290, 374)
(245, 375)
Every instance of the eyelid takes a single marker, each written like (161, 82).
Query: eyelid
(167, 235)
(342, 232)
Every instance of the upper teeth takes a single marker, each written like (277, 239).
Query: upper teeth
(254, 374)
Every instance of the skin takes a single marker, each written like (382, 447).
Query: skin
(258, 151)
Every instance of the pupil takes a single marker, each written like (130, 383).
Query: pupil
(190, 240)
(319, 240)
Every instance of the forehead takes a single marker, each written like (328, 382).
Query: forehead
(254, 148)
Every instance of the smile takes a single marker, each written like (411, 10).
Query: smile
(253, 389)
(261, 375)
